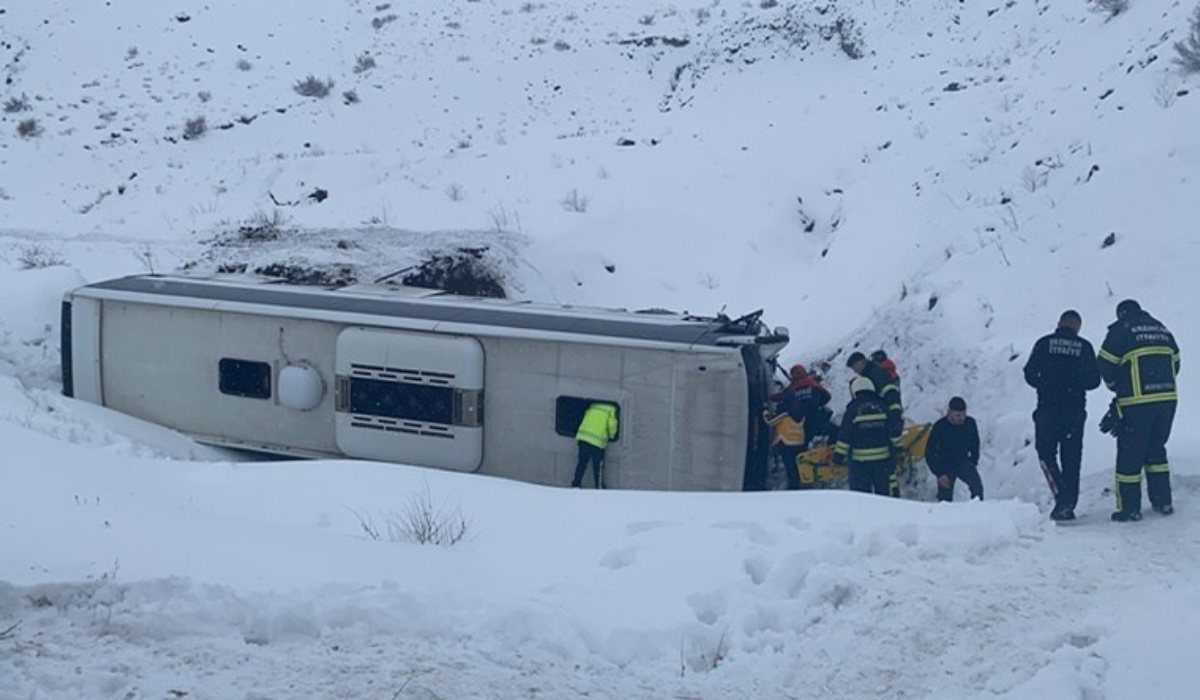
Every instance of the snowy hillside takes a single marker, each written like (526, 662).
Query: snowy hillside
(940, 179)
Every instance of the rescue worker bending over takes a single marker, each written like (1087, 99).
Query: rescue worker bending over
(866, 441)
(800, 415)
(887, 389)
(1139, 361)
(599, 425)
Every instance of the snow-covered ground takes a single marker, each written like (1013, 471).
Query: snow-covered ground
(944, 196)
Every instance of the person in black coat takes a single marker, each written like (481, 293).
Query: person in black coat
(953, 452)
(1062, 367)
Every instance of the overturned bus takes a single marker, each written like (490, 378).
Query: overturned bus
(421, 377)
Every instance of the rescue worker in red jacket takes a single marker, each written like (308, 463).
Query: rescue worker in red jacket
(802, 402)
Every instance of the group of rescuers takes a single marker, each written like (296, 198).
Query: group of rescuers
(1138, 361)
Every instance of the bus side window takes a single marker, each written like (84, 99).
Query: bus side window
(569, 410)
(246, 378)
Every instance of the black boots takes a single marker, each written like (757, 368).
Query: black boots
(1131, 516)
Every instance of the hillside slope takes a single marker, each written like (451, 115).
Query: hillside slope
(943, 195)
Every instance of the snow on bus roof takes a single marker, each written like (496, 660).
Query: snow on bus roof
(435, 305)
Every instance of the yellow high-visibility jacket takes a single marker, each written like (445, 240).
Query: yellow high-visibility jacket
(599, 425)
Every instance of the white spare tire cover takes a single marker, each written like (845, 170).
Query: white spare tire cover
(300, 387)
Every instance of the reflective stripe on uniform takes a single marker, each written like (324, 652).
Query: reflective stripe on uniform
(870, 416)
(1142, 352)
(871, 454)
(841, 448)
(1158, 468)
(1108, 357)
(1129, 478)
(1148, 398)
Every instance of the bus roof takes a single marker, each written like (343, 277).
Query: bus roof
(396, 301)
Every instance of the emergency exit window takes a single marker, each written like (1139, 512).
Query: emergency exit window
(246, 378)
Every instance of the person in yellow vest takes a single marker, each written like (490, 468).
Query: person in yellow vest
(598, 427)
(788, 440)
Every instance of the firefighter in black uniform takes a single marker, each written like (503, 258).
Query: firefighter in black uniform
(1062, 367)
(866, 441)
(1139, 361)
(887, 389)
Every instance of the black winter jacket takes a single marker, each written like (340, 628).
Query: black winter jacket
(1062, 367)
(952, 446)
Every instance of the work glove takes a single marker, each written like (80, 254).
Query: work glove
(1111, 419)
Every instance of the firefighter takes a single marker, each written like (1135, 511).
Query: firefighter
(865, 440)
(1062, 368)
(598, 427)
(953, 452)
(1139, 361)
(887, 389)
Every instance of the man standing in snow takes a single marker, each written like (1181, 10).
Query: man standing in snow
(866, 441)
(1139, 361)
(598, 427)
(953, 452)
(1062, 367)
(887, 389)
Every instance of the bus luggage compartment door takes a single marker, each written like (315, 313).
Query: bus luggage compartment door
(410, 397)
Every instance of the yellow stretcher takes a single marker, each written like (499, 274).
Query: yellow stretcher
(817, 470)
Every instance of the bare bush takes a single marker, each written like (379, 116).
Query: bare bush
(313, 87)
(36, 257)
(1166, 92)
(16, 104)
(419, 521)
(561, 45)
(455, 192)
(574, 202)
(350, 97)
(1112, 8)
(364, 63)
(243, 64)
(263, 226)
(195, 128)
(1189, 49)
(1034, 179)
(10, 631)
(29, 128)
